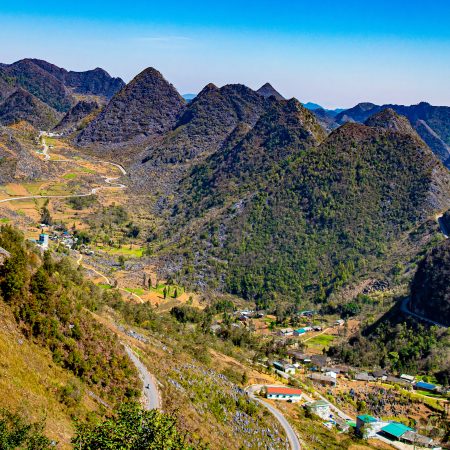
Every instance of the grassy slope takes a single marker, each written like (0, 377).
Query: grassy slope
(30, 382)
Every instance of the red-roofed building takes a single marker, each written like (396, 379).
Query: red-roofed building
(284, 393)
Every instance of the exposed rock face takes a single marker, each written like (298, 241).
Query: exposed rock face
(430, 289)
(75, 117)
(359, 113)
(267, 90)
(325, 118)
(18, 162)
(390, 120)
(21, 105)
(147, 107)
(434, 141)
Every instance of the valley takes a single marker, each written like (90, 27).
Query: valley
(183, 258)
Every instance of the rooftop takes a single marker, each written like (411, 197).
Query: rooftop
(412, 436)
(396, 429)
(423, 385)
(283, 391)
(367, 419)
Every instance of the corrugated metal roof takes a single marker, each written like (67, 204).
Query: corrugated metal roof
(423, 385)
(396, 429)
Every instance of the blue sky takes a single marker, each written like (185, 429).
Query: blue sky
(333, 53)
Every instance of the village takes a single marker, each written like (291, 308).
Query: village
(326, 388)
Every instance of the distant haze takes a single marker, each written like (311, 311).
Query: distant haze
(330, 53)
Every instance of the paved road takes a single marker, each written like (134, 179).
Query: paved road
(150, 390)
(405, 309)
(290, 433)
(108, 180)
(442, 226)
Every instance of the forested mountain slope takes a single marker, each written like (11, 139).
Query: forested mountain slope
(300, 222)
(431, 122)
(145, 108)
(430, 289)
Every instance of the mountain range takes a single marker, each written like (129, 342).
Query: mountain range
(257, 194)
(33, 81)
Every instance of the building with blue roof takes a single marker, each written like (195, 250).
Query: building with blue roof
(422, 386)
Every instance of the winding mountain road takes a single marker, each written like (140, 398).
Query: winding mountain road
(405, 309)
(150, 391)
(108, 180)
(294, 442)
(442, 225)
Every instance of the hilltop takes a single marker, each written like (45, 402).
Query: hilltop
(145, 108)
(430, 122)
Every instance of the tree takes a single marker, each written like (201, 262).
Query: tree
(122, 261)
(149, 282)
(165, 292)
(131, 428)
(45, 214)
(134, 231)
(16, 432)
(175, 293)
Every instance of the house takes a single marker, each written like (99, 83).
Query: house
(396, 380)
(380, 374)
(43, 241)
(306, 313)
(408, 378)
(330, 369)
(284, 393)
(285, 332)
(342, 369)
(317, 328)
(299, 332)
(331, 374)
(319, 361)
(324, 380)
(298, 356)
(4, 255)
(364, 376)
(368, 426)
(394, 430)
(339, 322)
(285, 367)
(422, 386)
(319, 408)
(415, 439)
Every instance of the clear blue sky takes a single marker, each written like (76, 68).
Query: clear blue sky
(336, 53)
